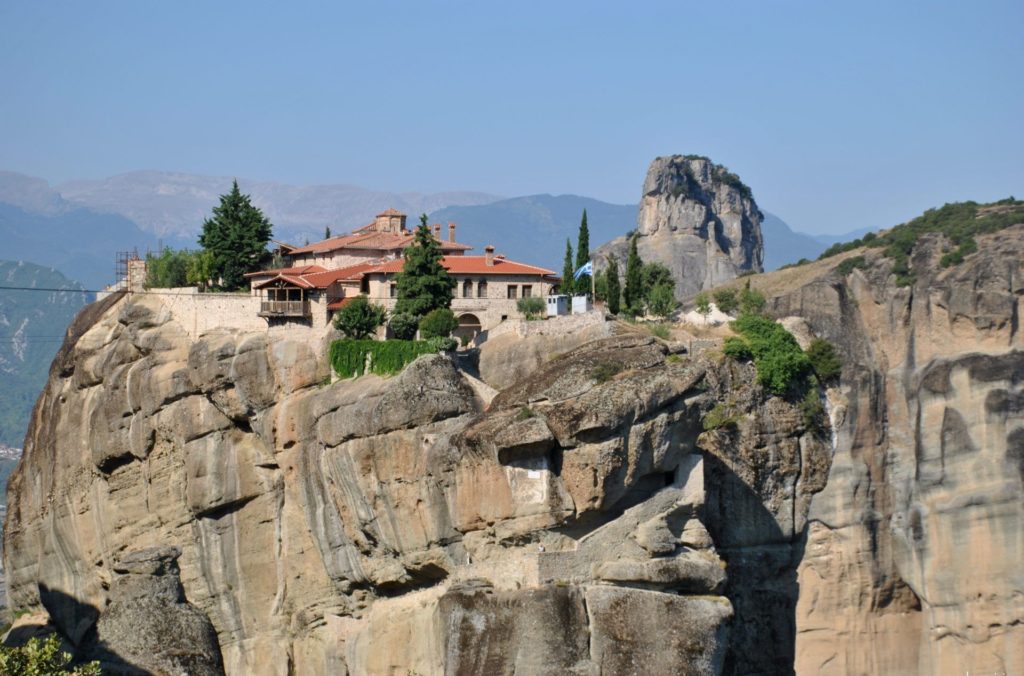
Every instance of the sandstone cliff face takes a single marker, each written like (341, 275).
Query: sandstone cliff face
(698, 220)
(393, 525)
(914, 548)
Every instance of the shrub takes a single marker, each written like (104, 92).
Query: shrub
(719, 417)
(661, 301)
(403, 325)
(438, 323)
(42, 658)
(726, 300)
(736, 348)
(660, 330)
(851, 264)
(531, 307)
(751, 301)
(443, 344)
(359, 319)
(781, 365)
(605, 371)
(814, 414)
(824, 360)
(703, 304)
(525, 413)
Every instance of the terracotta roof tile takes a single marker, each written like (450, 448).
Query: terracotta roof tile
(472, 265)
(300, 270)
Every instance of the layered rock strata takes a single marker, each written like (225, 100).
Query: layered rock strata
(697, 219)
(375, 525)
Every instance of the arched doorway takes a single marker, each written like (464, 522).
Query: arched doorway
(469, 326)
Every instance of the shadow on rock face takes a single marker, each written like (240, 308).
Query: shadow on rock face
(147, 627)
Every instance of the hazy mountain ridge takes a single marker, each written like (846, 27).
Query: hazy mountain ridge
(32, 325)
(176, 204)
(534, 228)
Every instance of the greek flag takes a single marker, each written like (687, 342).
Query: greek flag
(587, 269)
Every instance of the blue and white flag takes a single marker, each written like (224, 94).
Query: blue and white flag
(587, 269)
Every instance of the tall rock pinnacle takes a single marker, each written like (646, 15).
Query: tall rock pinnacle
(699, 220)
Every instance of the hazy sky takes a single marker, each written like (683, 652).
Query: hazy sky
(838, 115)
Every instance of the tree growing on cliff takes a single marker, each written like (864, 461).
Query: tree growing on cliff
(236, 237)
(423, 284)
(581, 285)
(633, 294)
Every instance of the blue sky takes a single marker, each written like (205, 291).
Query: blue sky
(839, 115)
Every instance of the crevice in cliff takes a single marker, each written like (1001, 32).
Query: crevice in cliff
(226, 509)
(112, 464)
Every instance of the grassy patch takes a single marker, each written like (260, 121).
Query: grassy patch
(525, 413)
(605, 371)
(720, 417)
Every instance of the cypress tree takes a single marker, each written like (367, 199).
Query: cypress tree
(582, 285)
(236, 238)
(634, 293)
(614, 290)
(327, 232)
(567, 269)
(423, 284)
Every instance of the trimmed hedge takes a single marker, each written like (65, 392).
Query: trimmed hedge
(386, 357)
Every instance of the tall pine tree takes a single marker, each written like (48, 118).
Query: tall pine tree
(236, 238)
(582, 285)
(567, 269)
(423, 284)
(634, 292)
(614, 290)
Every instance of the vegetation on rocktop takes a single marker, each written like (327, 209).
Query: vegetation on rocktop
(42, 658)
(383, 357)
(781, 365)
(359, 318)
(960, 222)
(236, 238)
(423, 284)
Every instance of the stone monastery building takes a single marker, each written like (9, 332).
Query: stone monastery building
(322, 277)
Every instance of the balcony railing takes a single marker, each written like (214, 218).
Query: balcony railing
(284, 308)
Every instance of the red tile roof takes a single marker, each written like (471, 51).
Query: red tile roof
(322, 280)
(391, 212)
(472, 265)
(340, 303)
(373, 240)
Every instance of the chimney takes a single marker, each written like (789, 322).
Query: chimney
(451, 231)
(489, 255)
(437, 231)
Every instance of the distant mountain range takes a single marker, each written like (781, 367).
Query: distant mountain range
(533, 229)
(32, 325)
(783, 245)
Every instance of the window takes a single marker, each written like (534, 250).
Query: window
(394, 290)
(512, 291)
(467, 289)
(481, 289)
(527, 290)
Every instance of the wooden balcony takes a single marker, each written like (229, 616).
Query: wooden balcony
(284, 308)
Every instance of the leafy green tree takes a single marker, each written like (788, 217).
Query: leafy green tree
(403, 325)
(582, 284)
(752, 301)
(168, 269)
(359, 319)
(633, 294)
(423, 284)
(703, 305)
(601, 286)
(531, 307)
(661, 300)
(236, 237)
(726, 300)
(614, 290)
(656, 274)
(438, 323)
(824, 360)
(199, 271)
(567, 269)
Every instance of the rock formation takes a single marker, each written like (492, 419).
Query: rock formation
(698, 220)
(578, 520)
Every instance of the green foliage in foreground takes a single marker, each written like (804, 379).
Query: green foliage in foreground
(438, 323)
(173, 268)
(386, 357)
(960, 222)
(782, 366)
(359, 319)
(42, 658)
(727, 300)
(824, 360)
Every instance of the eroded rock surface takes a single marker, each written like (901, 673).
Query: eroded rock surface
(698, 220)
(375, 525)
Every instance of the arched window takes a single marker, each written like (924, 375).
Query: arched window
(467, 289)
(481, 288)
